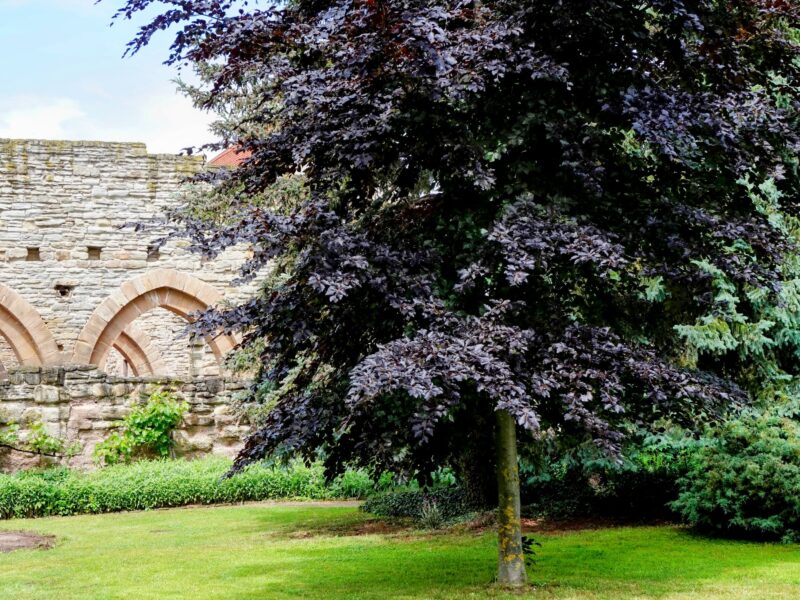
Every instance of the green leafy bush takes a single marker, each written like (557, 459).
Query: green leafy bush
(145, 432)
(9, 434)
(353, 483)
(41, 442)
(587, 483)
(163, 483)
(450, 503)
(746, 481)
(36, 440)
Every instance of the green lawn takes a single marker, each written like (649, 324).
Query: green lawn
(262, 551)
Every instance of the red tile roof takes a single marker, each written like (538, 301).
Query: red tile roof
(232, 157)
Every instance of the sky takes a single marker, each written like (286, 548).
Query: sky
(62, 76)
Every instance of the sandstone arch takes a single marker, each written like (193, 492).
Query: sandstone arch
(138, 350)
(178, 292)
(25, 331)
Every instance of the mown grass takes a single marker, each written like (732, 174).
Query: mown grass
(259, 551)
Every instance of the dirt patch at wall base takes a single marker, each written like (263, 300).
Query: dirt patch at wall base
(20, 540)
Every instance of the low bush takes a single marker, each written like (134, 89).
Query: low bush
(430, 516)
(146, 432)
(450, 503)
(584, 483)
(165, 483)
(353, 483)
(746, 481)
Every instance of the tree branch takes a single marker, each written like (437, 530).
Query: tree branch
(26, 451)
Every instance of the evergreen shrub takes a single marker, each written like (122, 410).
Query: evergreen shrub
(746, 481)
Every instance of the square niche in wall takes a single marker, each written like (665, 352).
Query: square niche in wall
(153, 253)
(94, 252)
(64, 290)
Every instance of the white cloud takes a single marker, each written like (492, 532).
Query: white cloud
(74, 86)
(166, 122)
(28, 117)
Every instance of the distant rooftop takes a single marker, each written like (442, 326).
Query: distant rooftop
(232, 157)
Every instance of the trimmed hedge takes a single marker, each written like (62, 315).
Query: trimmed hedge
(451, 501)
(166, 483)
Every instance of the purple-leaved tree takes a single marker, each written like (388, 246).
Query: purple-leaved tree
(484, 218)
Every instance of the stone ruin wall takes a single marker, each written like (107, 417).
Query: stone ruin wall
(78, 288)
(83, 404)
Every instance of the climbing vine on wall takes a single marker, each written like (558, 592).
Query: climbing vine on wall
(147, 431)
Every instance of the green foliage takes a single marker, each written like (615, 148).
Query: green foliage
(353, 483)
(746, 481)
(41, 442)
(653, 289)
(36, 440)
(161, 483)
(450, 503)
(145, 432)
(9, 434)
(283, 194)
(585, 483)
(430, 516)
(726, 328)
(747, 331)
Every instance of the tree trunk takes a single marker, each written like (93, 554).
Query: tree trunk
(479, 478)
(511, 563)
(475, 462)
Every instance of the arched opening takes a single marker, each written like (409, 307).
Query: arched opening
(134, 353)
(109, 326)
(7, 357)
(24, 331)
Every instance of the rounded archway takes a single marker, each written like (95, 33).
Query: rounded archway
(178, 292)
(138, 351)
(25, 331)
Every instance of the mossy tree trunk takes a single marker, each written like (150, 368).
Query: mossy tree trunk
(511, 559)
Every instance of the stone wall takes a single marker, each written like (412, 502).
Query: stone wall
(82, 404)
(64, 251)
(90, 313)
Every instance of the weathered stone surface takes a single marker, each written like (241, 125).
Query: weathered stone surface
(87, 408)
(87, 306)
(45, 393)
(65, 254)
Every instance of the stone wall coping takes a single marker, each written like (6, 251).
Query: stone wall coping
(58, 373)
(61, 144)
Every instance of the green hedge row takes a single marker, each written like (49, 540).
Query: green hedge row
(450, 501)
(157, 484)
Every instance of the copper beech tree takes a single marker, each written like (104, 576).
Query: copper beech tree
(485, 218)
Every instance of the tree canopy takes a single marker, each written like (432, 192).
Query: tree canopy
(576, 212)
